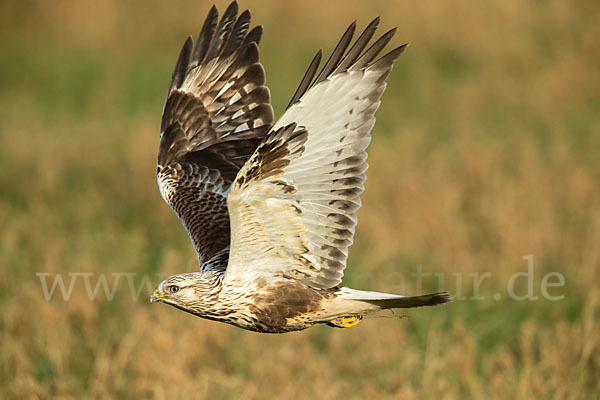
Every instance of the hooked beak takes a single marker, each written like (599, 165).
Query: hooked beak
(156, 296)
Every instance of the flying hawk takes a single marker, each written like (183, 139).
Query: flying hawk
(270, 208)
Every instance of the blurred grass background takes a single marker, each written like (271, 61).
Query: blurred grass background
(486, 149)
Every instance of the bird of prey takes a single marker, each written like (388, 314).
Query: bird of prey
(271, 207)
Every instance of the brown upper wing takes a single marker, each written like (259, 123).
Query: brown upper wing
(217, 111)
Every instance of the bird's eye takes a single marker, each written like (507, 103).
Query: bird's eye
(173, 289)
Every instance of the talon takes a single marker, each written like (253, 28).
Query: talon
(345, 322)
(349, 322)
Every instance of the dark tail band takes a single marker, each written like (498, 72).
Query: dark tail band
(412, 301)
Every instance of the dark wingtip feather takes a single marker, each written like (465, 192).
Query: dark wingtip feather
(245, 16)
(358, 46)
(221, 38)
(369, 55)
(305, 83)
(226, 51)
(181, 65)
(355, 59)
(232, 8)
(238, 34)
(254, 35)
(223, 32)
(205, 37)
(387, 60)
(337, 54)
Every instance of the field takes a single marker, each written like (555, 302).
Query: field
(483, 180)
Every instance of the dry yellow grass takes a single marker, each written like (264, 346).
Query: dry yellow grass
(486, 150)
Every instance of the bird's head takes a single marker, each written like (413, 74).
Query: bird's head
(192, 292)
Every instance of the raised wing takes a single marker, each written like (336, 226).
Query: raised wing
(293, 204)
(216, 113)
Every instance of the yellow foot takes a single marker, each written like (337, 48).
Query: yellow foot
(345, 322)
